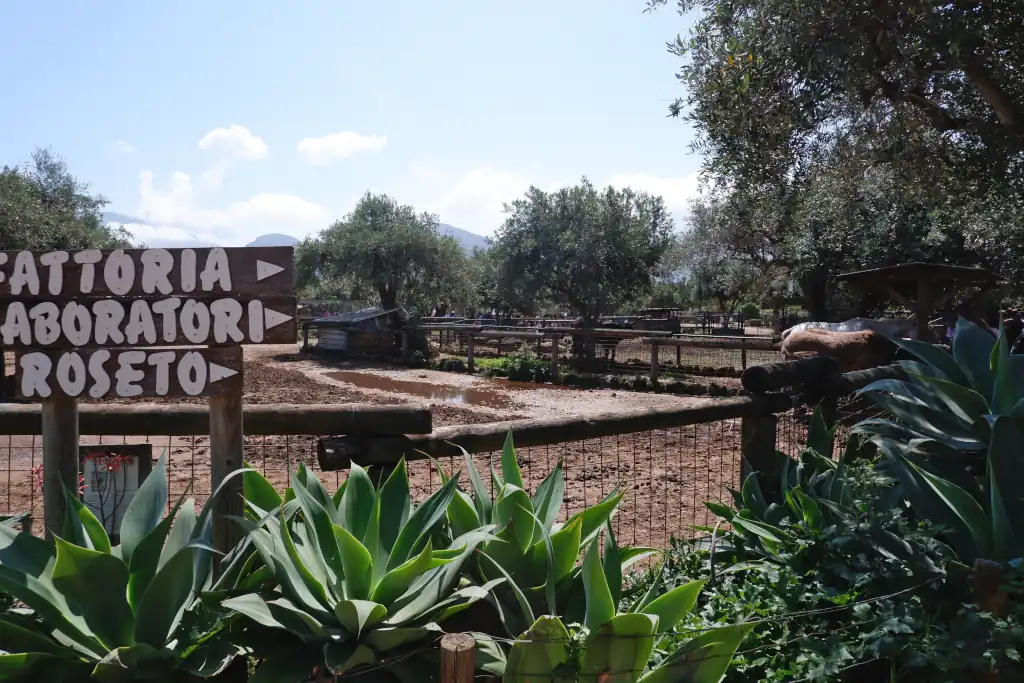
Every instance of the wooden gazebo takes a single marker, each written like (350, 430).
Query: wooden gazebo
(923, 288)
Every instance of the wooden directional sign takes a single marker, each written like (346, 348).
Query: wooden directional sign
(246, 272)
(170, 321)
(134, 373)
(146, 297)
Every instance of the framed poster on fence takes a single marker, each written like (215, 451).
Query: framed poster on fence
(111, 475)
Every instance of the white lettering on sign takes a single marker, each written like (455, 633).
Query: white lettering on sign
(112, 322)
(40, 376)
(121, 273)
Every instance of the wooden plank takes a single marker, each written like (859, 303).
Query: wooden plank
(59, 428)
(151, 373)
(735, 343)
(198, 273)
(178, 419)
(129, 322)
(760, 379)
(227, 454)
(337, 453)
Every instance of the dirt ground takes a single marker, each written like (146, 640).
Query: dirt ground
(664, 475)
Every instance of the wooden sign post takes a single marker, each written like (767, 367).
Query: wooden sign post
(125, 323)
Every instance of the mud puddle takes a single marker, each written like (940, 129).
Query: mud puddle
(435, 392)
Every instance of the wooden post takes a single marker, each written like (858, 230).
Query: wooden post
(679, 356)
(554, 360)
(226, 455)
(406, 346)
(743, 359)
(654, 361)
(305, 337)
(757, 446)
(458, 658)
(469, 352)
(60, 459)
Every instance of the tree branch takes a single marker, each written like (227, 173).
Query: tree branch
(992, 92)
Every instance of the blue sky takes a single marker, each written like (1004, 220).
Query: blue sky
(231, 119)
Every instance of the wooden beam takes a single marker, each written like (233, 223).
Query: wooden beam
(59, 427)
(761, 379)
(338, 452)
(734, 343)
(156, 419)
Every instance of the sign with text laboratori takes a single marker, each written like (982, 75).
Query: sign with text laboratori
(57, 308)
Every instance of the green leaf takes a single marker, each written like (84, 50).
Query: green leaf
(619, 649)
(81, 526)
(595, 516)
(539, 653)
(394, 584)
(269, 543)
(1006, 489)
(514, 509)
(600, 607)
(509, 464)
(357, 563)
(753, 499)
(260, 491)
(95, 586)
(147, 557)
(15, 638)
(820, 437)
(165, 600)
(323, 530)
(395, 505)
(963, 505)
(703, 659)
(547, 501)
(811, 511)
(972, 349)
(462, 514)
(356, 615)
(934, 356)
(1004, 390)
(612, 564)
(565, 544)
(146, 510)
(423, 519)
(481, 498)
(671, 607)
(358, 501)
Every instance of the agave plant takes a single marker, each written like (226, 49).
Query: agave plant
(536, 555)
(950, 402)
(352, 581)
(969, 402)
(615, 647)
(116, 613)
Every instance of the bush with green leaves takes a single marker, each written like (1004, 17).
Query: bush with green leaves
(869, 595)
(352, 582)
(535, 555)
(120, 613)
(949, 408)
(612, 645)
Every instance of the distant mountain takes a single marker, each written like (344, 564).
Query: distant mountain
(274, 239)
(467, 239)
(165, 237)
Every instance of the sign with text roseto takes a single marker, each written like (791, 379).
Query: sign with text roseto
(77, 317)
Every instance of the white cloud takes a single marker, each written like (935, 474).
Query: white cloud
(236, 224)
(677, 192)
(122, 147)
(234, 142)
(344, 145)
(229, 145)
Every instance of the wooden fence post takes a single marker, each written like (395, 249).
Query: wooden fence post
(227, 453)
(743, 359)
(554, 360)
(458, 658)
(60, 458)
(406, 346)
(654, 361)
(757, 446)
(469, 352)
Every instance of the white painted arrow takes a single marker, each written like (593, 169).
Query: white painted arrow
(265, 270)
(274, 318)
(219, 372)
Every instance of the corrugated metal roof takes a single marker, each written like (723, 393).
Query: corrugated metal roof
(356, 316)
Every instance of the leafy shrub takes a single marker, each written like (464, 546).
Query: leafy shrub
(350, 579)
(750, 311)
(127, 612)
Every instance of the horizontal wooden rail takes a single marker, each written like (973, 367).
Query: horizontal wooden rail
(339, 452)
(734, 343)
(185, 420)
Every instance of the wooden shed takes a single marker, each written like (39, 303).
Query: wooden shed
(369, 331)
